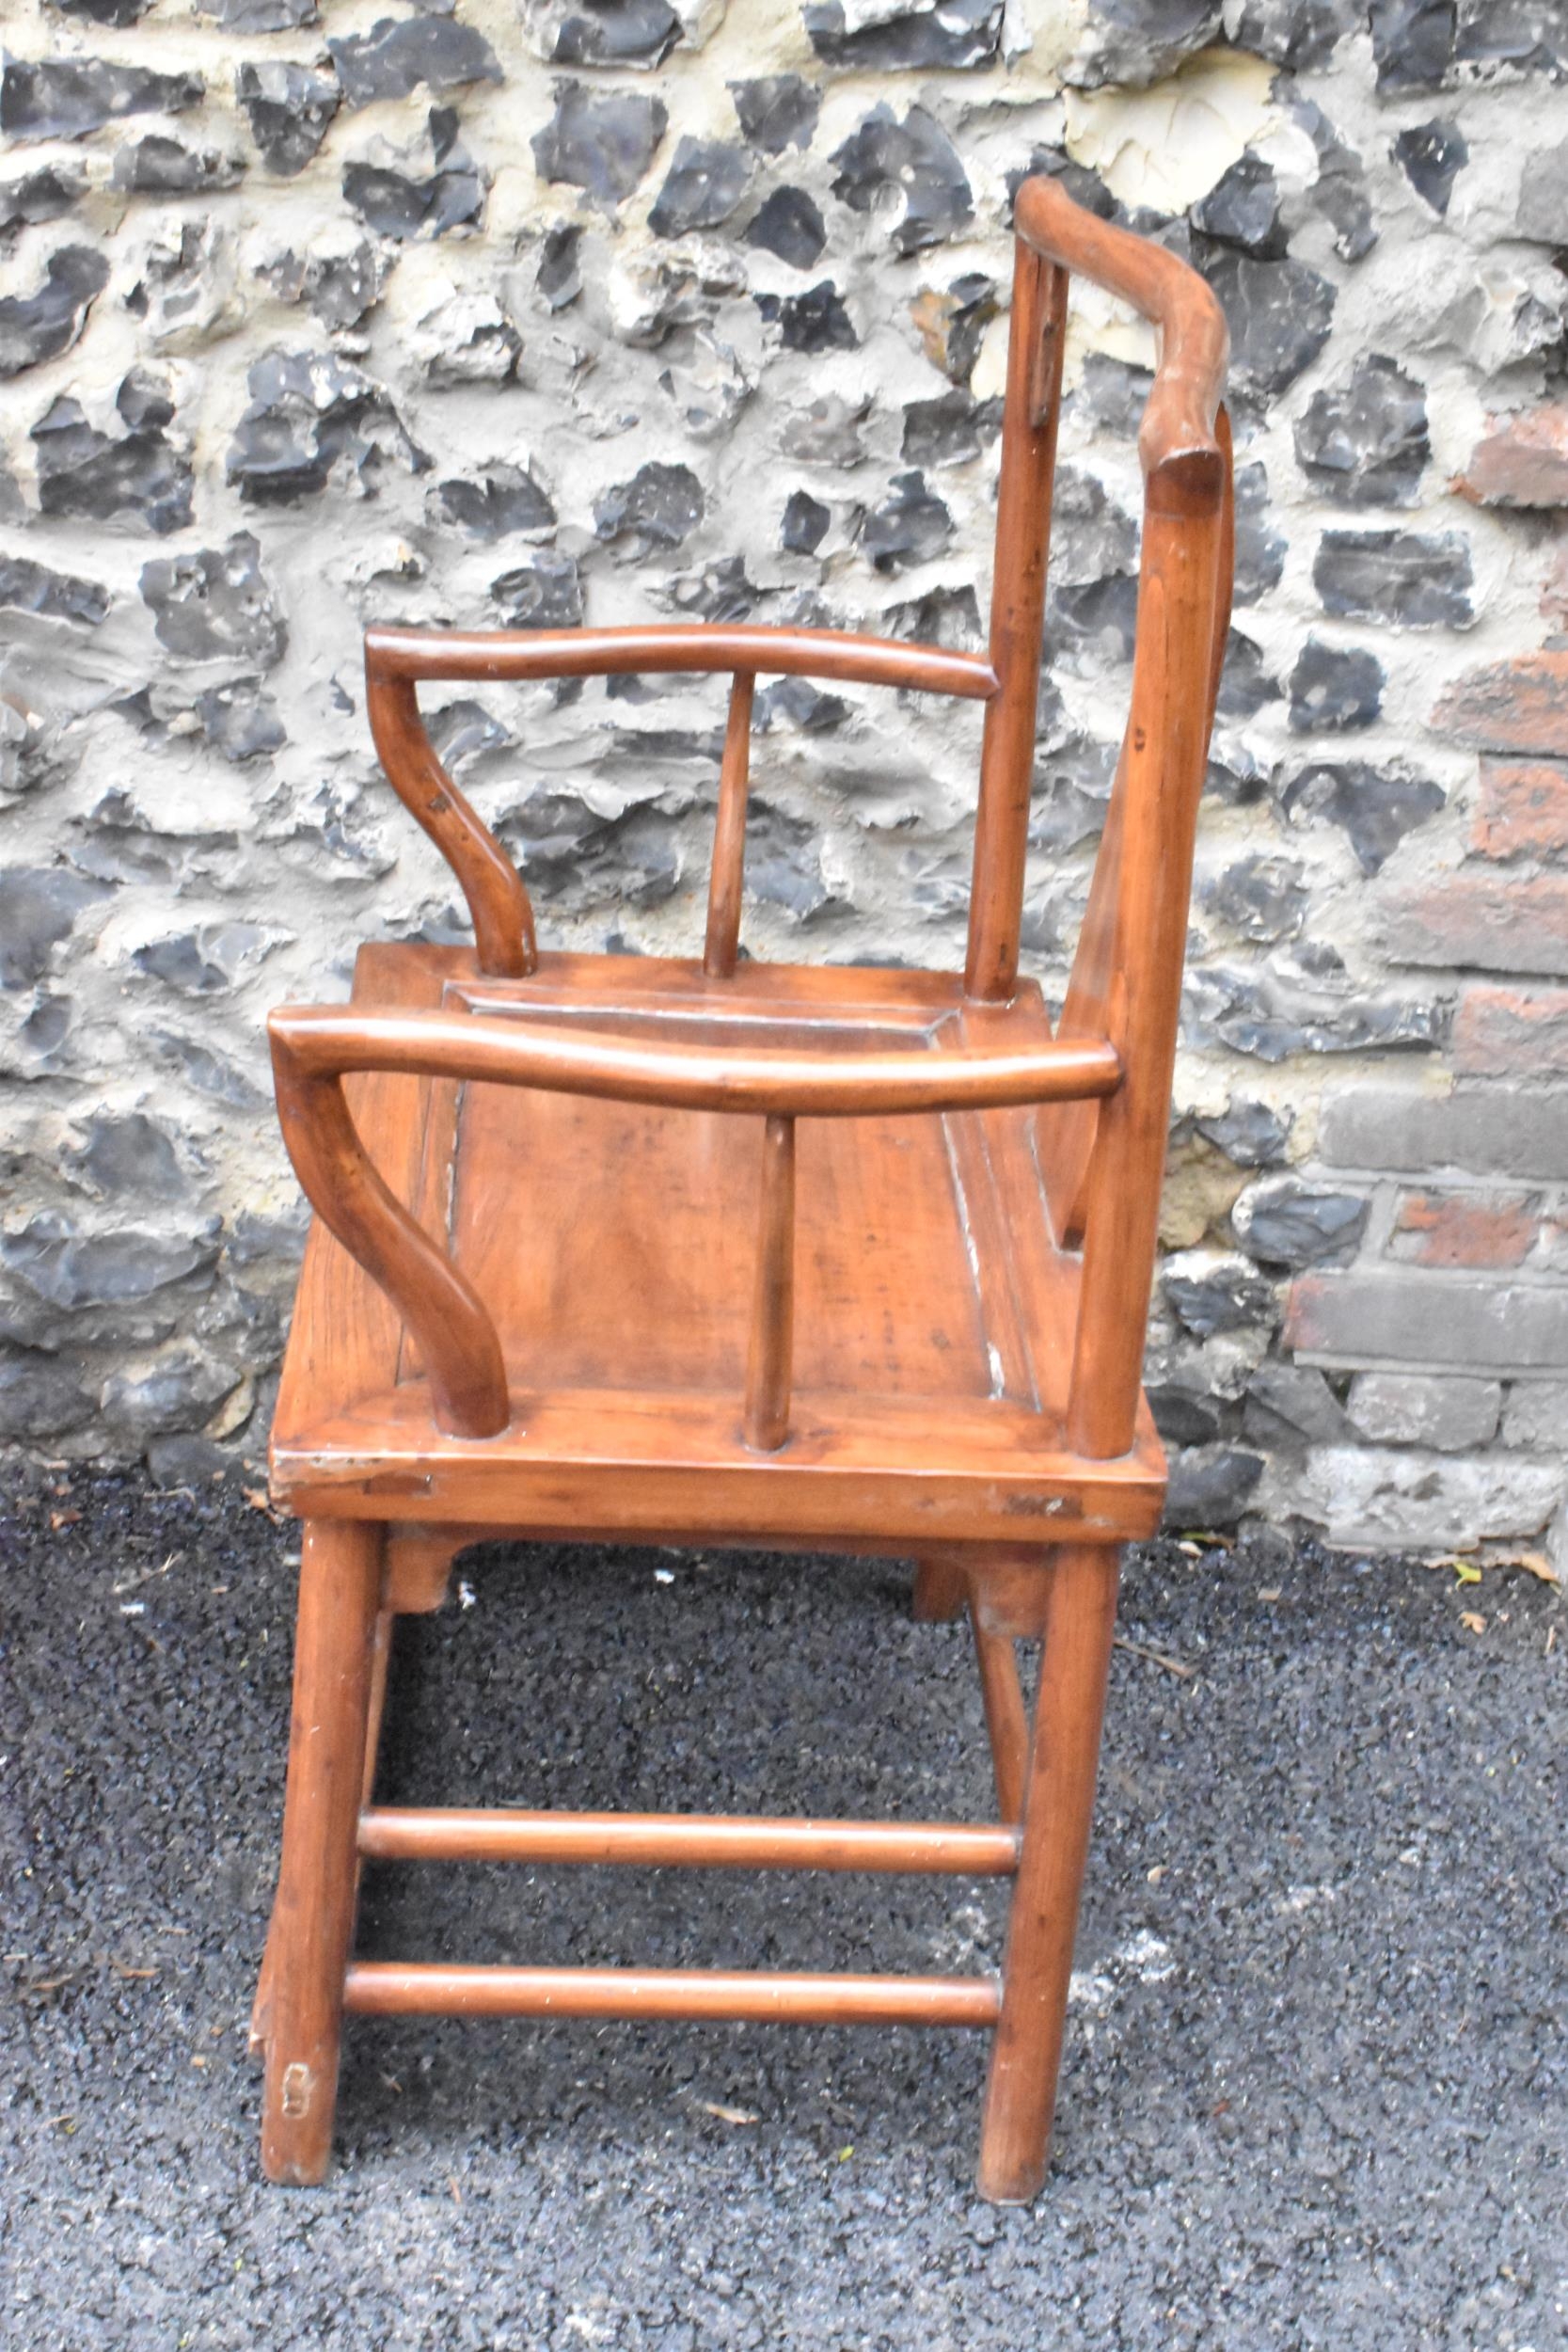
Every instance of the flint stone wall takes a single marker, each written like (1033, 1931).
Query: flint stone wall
(534, 311)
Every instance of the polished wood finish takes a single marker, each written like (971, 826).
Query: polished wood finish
(1058, 1806)
(710, 1841)
(552, 1290)
(314, 1045)
(391, 1989)
(339, 1593)
(498, 905)
(1006, 1721)
(1179, 417)
(722, 942)
(1016, 619)
(940, 1591)
(767, 1369)
(500, 653)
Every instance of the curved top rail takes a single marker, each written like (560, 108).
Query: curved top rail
(322, 1041)
(505, 653)
(1194, 342)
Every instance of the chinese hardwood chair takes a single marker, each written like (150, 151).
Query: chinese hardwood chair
(625, 1302)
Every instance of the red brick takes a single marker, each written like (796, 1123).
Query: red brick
(1511, 1033)
(1524, 808)
(1520, 460)
(1464, 1229)
(1482, 922)
(1518, 706)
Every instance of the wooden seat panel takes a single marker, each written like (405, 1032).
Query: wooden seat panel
(613, 1246)
(627, 1258)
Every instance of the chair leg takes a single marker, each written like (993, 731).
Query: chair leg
(307, 1945)
(1080, 1619)
(941, 1590)
(381, 1653)
(1007, 1723)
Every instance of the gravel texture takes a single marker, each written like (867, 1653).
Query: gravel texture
(1316, 2092)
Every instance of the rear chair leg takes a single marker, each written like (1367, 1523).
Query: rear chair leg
(941, 1589)
(1006, 1723)
(1059, 1802)
(336, 1675)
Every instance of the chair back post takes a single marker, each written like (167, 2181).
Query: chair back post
(1030, 413)
(1183, 613)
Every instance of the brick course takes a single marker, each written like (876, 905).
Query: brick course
(1422, 1319)
(1479, 1130)
(1512, 1032)
(1464, 1229)
(1481, 922)
(1515, 706)
(1523, 810)
(1520, 460)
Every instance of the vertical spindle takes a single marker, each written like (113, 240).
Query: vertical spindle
(729, 834)
(768, 1372)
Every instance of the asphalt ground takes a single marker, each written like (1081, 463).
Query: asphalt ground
(1316, 2092)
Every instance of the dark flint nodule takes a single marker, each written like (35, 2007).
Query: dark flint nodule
(397, 57)
(36, 326)
(1363, 441)
(545, 592)
(1400, 577)
(789, 226)
(614, 32)
(954, 36)
(777, 111)
(504, 499)
(813, 321)
(703, 186)
(1432, 155)
(600, 143)
(94, 475)
(1374, 806)
(915, 160)
(659, 508)
(68, 98)
(1333, 689)
(290, 109)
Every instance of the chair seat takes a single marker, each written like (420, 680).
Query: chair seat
(613, 1245)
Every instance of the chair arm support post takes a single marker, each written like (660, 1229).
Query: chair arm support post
(772, 1343)
(729, 834)
(498, 903)
(462, 1354)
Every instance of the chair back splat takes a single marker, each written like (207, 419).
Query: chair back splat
(552, 1290)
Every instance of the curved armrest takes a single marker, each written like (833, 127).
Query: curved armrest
(692, 645)
(313, 1046)
(498, 905)
(1177, 432)
(319, 1042)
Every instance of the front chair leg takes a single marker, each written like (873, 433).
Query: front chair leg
(340, 1597)
(1058, 1804)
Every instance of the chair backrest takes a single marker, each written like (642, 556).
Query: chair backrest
(1185, 456)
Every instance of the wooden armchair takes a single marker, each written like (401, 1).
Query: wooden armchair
(831, 1260)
